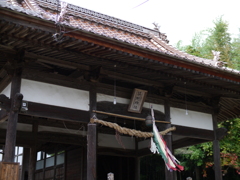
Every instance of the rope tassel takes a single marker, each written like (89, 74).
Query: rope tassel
(159, 145)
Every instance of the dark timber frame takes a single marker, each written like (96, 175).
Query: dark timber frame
(86, 60)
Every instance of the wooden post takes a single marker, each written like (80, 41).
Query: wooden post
(137, 168)
(33, 153)
(168, 138)
(91, 152)
(25, 164)
(92, 138)
(13, 116)
(216, 149)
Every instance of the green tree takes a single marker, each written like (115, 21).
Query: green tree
(201, 155)
(218, 39)
(202, 44)
(236, 52)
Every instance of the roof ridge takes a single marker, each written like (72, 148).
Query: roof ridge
(94, 16)
(183, 55)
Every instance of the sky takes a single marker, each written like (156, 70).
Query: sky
(178, 19)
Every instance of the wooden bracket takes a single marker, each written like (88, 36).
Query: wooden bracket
(221, 132)
(17, 102)
(93, 74)
(168, 90)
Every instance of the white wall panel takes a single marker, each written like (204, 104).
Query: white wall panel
(7, 90)
(54, 95)
(193, 119)
(157, 107)
(108, 98)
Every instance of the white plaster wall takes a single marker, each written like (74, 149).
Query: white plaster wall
(54, 95)
(157, 107)
(104, 97)
(7, 90)
(106, 140)
(193, 119)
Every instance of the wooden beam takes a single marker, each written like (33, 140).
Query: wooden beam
(72, 65)
(132, 79)
(26, 139)
(106, 89)
(56, 79)
(187, 142)
(56, 112)
(127, 117)
(155, 56)
(57, 62)
(194, 132)
(119, 152)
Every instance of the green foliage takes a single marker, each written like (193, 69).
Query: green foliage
(202, 44)
(218, 39)
(231, 142)
(202, 154)
(236, 53)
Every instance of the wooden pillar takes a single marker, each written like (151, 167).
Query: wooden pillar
(84, 166)
(137, 168)
(16, 99)
(92, 138)
(33, 153)
(168, 138)
(216, 149)
(91, 152)
(137, 161)
(25, 164)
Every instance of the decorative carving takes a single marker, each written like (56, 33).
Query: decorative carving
(62, 12)
(216, 55)
(216, 59)
(17, 102)
(156, 26)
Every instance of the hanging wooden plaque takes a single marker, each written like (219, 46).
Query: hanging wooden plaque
(137, 100)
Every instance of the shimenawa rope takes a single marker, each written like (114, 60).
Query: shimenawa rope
(131, 132)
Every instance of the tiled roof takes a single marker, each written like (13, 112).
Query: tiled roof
(86, 20)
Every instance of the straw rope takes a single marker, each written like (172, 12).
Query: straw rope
(131, 132)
